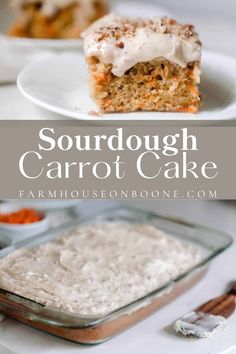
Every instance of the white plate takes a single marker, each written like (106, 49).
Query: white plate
(34, 43)
(60, 85)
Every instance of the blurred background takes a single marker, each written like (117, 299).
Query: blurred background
(215, 20)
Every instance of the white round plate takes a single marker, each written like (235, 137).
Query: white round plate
(45, 44)
(60, 85)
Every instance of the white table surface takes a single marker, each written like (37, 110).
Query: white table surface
(215, 23)
(154, 335)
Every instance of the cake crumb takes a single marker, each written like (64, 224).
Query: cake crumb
(94, 113)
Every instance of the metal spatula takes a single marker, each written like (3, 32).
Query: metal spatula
(209, 317)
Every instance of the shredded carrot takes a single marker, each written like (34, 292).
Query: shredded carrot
(22, 216)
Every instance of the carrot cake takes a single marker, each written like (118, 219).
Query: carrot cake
(148, 65)
(98, 268)
(55, 19)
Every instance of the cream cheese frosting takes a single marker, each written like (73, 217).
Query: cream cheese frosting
(97, 268)
(125, 42)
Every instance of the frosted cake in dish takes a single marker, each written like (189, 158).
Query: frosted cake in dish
(148, 65)
(98, 268)
(55, 18)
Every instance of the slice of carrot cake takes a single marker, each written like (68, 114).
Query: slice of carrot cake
(55, 19)
(143, 65)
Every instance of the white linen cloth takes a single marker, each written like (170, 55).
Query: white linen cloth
(13, 58)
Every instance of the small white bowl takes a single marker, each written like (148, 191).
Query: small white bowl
(17, 232)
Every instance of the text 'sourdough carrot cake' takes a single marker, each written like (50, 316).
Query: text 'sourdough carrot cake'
(55, 18)
(150, 65)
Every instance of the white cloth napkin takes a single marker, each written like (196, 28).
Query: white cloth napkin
(13, 58)
(5, 350)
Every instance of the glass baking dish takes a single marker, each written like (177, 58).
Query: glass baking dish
(96, 329)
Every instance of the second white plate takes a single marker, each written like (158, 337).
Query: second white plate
(60, 84)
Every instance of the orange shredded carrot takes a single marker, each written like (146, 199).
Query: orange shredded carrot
(22, 216)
